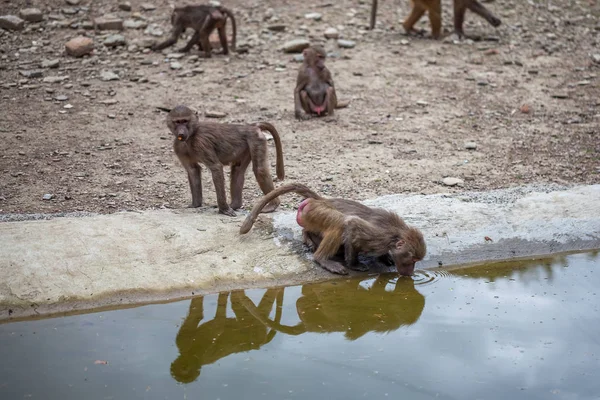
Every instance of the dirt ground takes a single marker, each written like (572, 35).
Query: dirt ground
(414, 103)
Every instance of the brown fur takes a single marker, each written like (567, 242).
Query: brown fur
(203, 19)
(315, 92)
(334, 225)
(216, 145)
(434, 10)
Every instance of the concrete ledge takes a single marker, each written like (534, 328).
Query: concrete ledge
(78, 263)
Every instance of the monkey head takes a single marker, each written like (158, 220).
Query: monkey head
(408, 251)
(315, 57)
(182, 122)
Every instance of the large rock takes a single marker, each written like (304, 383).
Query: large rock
(295, 46)
(108, 24)
(11, 23)
(79, 46)
(31, 15)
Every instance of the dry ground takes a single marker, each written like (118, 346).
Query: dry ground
(414, 104)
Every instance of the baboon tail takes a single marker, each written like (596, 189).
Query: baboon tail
(278, 148)
(299, 188)
(228, 12)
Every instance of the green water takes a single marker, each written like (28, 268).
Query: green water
(515, 331)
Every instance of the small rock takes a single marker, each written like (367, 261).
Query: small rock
(452, 181)
(112, 116)
(147, 7)
(583, 83)
(176, 65)
(61, 97)
(69, 11)
(525, 109)
(214, 114)
(470, 145)
(109, 76)
(144, 43)
(54, 63)
(79, 46)
(68, 106)
(73, 2)
(108, 24)
(299, 57)
(109, 102)
(54, 79)
(125, 6)
(596, 58)
(295, 46)
(47, 196)
(175, 56)
(276, 28)
(482, 83)
(134, 24)
(114, 41)
(34, 73)
(422, 103)
(491, 52)
(11, 23)
(198, 71)
(404, 42)
(31, 14)
(346, 44)
(331, 33)
(153, 30)
(314, 16)
(560, 95)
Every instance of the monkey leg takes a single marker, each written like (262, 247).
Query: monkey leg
(223, 39)
(195, 180)
(238, 172)
(204, 39)
(311, 239)
(219, 182)
(434, 9)
(480, 10)
(302, 106)
(350, 251)
(191, 42)
(329, 246)
(260, 166)
(415, 15)
(459, 16)
(330, 100)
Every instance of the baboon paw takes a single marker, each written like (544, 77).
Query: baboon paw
(303, 117)
(359, 267)
(195, 205)
(228, 211)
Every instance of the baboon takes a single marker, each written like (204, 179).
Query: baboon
(334, 225)
(314, 93)
(203, 19)
(216, 145)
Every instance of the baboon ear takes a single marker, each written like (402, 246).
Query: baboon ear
(400, 243)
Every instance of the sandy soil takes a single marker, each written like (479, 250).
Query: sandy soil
(414, 103)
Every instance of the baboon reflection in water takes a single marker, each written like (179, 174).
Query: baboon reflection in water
(338, 306)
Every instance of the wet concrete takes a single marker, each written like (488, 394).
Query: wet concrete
(77, 263)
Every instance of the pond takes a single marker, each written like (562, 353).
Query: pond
(519, 330)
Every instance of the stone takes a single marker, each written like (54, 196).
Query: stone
(560, 95)
(144, 43)
(73, 2)
(33, 73)
(422, 103)
(214, 114)
(109, 76)
(125, 6)
(452, 181)
(331, 33)
(79, 46)
(61, 97)
(295, 46)
(147, 7)
(346, 44)
(276, 27)
(108, 24)
(54, 63)
(470, 145)
(175, 56)
(176, 65)
(69, 11)
(153, 30)
(299, 57)
(11, 23)
(114, 41)
(31, 15)
(314, 16)
(54, 79)
(135, 24)
(47, 196)
(109, 102)
(596, 58)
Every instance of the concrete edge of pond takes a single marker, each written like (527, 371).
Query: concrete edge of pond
(78, 263)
